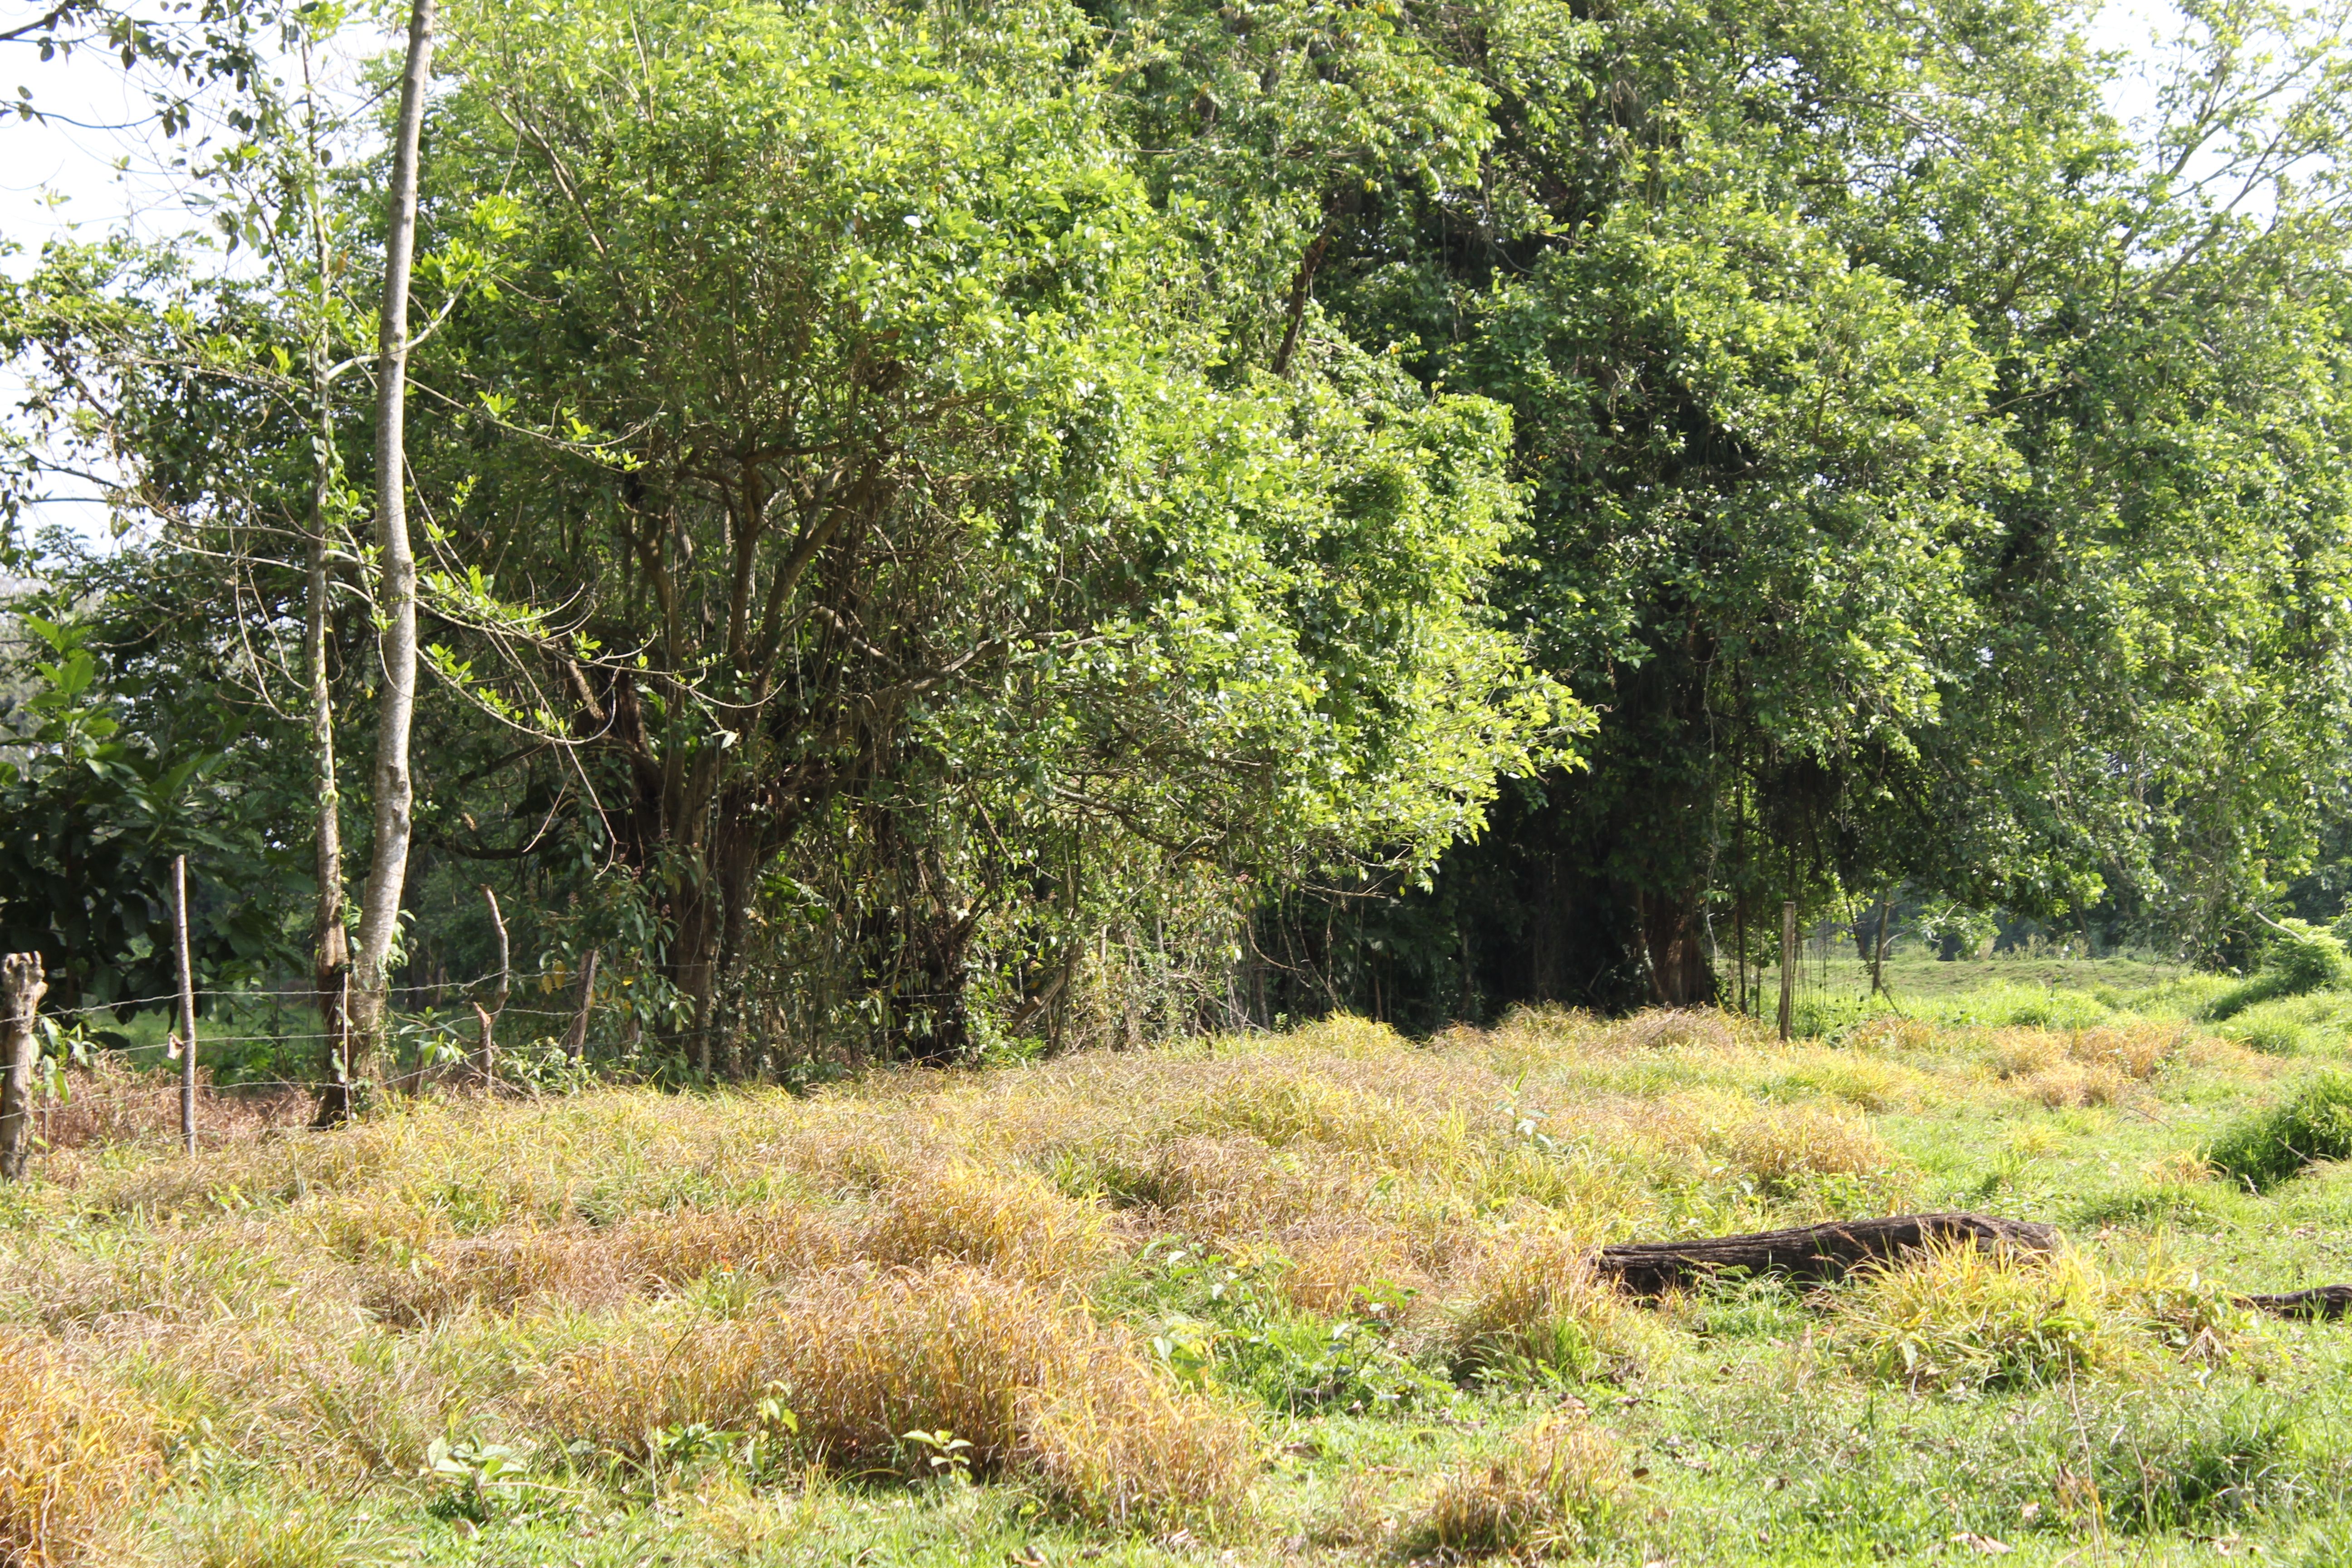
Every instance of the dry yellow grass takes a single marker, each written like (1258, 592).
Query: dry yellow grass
(1559, 1484)
(862, 1357)
(919, 1251)
(75, 1457)
(1014, 1221)
(1533, 1298)
(1961, 1317)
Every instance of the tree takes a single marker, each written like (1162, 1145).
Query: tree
(840, 396)
(1857, 365)
(379, 925)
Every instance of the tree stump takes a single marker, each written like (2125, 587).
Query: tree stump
(1813, 1252)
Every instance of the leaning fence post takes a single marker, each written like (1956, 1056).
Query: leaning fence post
(187, 1006)
(22, 985)
(575, 1042)
(1788, 964)
(489, 1016)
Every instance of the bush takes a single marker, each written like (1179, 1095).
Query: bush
(2266, 1149)
(2304, 959)
(1535, 1304)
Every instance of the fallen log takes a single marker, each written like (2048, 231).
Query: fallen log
(1811, 1252)
(1814, 1253)
(2320, 1302)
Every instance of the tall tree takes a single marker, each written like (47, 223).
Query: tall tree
(379, 924)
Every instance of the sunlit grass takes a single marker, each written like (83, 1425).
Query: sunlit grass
(1314, 1296)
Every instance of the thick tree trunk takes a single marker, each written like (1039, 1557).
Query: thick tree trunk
(1673, 940)
(388, 861)
(22, 984)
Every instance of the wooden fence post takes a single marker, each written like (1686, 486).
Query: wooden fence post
(489, 1016)
(575, 1040)
(22, 985)
(1788, 965)
(187, 1006)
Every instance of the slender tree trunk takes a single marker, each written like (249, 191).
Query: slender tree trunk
(1302, 283)
(22, 985)
(489, 1016)
(1788, 966)
(388, 862)
(329, 946)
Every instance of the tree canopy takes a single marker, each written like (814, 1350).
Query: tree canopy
(942, 527)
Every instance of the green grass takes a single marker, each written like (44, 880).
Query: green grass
(1311, 1298)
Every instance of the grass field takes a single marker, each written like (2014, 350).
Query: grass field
(1316, 1297)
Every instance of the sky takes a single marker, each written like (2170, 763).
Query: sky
(80, 174)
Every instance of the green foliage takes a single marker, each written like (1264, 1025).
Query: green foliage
(1220, 1321)
(97, 810)
(2202, 1467)
(2314, 1123)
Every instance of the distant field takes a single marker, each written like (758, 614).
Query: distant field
(1314, 1298)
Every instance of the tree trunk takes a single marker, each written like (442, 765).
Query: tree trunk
(1680, 976)
(1813, 1252)
(330, 945)
(22, 985)
(489, 1016)
(575, 1041)
(388, 861)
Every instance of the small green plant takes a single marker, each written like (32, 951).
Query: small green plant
(2314, 1124)
(942, 1451)
(478, 1478)
(1228, 1326)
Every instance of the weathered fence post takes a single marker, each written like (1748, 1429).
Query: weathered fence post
(575, 1041)
(1788, 965)
(22, 985)
(187, 1006)
(489, 1016)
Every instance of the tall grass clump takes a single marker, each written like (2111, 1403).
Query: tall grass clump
(1009, 1220)
(1533, 1306)
(76, 1458)
(1965, 1317)
(1560, 1486)
(2313, 1125)
(862, 1357)
(2304, 958)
